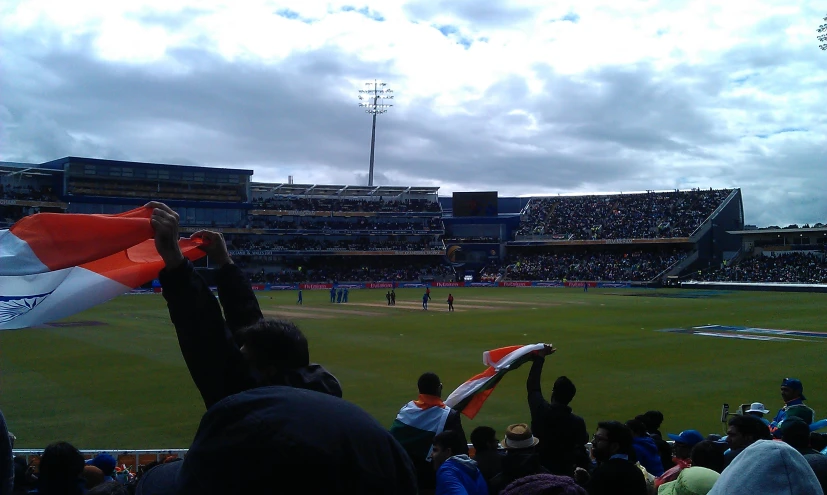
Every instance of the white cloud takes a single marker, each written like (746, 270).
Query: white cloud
(515, 96)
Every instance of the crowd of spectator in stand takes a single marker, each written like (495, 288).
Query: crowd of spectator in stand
(607, 266)
(334, 223)
(410, 243)
(27, 193)
(802, 268)
(347, 204)
(623, 216)
(326, 271)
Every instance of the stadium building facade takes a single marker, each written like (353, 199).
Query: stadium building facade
(313, 233)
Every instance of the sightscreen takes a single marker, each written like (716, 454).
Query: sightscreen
(475, 204)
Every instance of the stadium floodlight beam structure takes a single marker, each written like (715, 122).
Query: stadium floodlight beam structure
(375, 100)
(822, 35)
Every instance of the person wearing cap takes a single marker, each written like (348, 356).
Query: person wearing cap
(758, 410)
(691, 481)
(227, 353)
(684, 441)
(521, 458)
(792, 392)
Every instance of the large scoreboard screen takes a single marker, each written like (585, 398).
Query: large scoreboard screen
(475, 204)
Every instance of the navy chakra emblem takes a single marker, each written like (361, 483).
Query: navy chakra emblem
(12, 307)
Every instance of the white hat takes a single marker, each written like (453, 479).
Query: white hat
(757, 407)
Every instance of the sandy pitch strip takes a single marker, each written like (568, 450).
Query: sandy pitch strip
(334, 309)
(297, 314)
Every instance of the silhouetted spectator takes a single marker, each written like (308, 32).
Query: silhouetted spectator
(615, 474)
(60, 468)
(486, 452)
(520, 460)
(646, 451)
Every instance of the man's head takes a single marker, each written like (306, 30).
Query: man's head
(272, 347)
(638, 428)
(708, 454)
(795, 432)
(430, 384)
(685, 441)
(484, 438)
(563, 391)
(612, 437)
(745, 430)
(60, 467)
(791, 389)
(445, 445)
(652, 420)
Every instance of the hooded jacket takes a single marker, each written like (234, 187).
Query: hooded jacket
(208, 338)
(459, 476)
(648, 455)
(769, 468)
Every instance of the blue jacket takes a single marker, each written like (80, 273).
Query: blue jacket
(459, 476)
(648, 455)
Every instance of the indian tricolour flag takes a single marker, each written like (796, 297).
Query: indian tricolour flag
(53, 265)
(469, 397)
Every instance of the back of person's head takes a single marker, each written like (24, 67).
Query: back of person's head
(563, 391)
(544, 484)
(451, 439)
(60, 467)
(637, 427)
(299, 437)
(484, 438)
(620, 434)
(708, 454)
(768, 467)
(275, 344)
(751, 426)
(795, 432)
(652, 420)
(93, 476)
(430, 384)
(108, 488)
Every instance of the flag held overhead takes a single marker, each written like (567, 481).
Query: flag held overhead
(54, 265)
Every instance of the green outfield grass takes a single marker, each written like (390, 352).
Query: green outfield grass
(124, 385)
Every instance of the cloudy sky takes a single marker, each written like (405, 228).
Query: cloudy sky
(524, 97)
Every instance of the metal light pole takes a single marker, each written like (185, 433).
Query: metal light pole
(370, 99)
(822, 35)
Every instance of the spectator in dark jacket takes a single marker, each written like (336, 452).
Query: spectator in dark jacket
(615, 474)
(796, 433)
(562, 434)
(486, 452)
(243, 352)
(520, 460)
(646, 451)
(61, 466)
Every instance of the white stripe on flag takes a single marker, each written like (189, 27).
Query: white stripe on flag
(32, 300)
(17, 258)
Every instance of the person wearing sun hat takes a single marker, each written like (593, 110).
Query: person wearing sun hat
(691, 481)
(683, 450)
(758, 410)
(792, 392)
(521, 458)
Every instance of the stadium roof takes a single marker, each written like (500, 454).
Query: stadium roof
(339, 190)
(60, 162)
(14, 168)
(760, 232)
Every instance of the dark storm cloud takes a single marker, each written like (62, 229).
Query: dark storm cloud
(615, 128)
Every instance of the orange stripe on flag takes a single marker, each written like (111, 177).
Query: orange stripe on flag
(91, 237)
(139, 264)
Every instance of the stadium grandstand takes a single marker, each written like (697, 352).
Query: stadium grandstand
(285, 233)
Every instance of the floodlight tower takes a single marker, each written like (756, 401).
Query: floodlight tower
(822, 35)
(373, 99)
